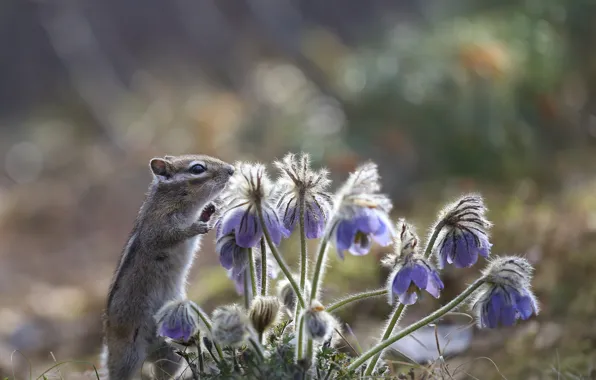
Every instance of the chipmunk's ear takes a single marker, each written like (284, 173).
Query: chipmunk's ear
(160, 167)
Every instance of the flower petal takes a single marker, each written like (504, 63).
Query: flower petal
(276, 229)
(408, 298)
(435, 285)
(361, 244)
(314, 221)
(231, 220)
(402, 280)
(249, 230)
(289, 213)
(366, 220)
(344, 235)
(384, 234)
(419, 275)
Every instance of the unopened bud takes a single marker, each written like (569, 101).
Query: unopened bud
(263, 312)
(318, 323)
(230, 325)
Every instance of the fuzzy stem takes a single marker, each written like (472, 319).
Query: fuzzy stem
(207, 323)
(417, 325)
(257, 347)
(278, 258)
(316, 276)
(429, 247)
(303, 253)
(264, 271)
(354, 298)
(388, 330)
(299, 337)
(253, 273)
(246, 288)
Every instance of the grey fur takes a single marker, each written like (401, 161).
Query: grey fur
(155, 263)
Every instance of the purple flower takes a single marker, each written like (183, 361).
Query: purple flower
(231, 255)
(177, 320)
(299, 183)
(250, 188)
(461, 248)
(360, 214)
(463, 233)
(503, 305)
(506, 296)
(410, 277)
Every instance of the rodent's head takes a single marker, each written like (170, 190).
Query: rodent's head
(195, 176)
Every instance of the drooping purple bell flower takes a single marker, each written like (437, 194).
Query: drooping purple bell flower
(248, 189)
(298, 183)
(506, 296)
(412, 276)
(463, 235)
(177, 320)
(361, 213)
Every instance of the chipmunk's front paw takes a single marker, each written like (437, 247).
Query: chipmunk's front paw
(200, 228)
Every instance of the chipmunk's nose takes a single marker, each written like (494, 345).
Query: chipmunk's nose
(231, 170)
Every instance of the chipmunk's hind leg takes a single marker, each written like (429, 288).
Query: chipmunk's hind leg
(125, 360)
(166, 362)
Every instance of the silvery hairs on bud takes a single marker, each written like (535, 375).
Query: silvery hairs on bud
(514, 271)
(298, 181)
(318, 323)
(405, 243)
(287, 296)
(263, 312)
(230, 325)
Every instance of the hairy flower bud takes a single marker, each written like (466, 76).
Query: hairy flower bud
(230, 325)
(263, 312)
(318, 323)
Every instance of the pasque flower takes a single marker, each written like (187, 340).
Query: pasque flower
(506, 296)
(411, 273)
(248, 189)
(177, 320)
(299, 183)
(463, 235)
(318, 323)
(360, 213)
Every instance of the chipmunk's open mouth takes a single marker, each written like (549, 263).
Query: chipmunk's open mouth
(207, 212)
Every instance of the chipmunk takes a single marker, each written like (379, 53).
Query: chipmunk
(156, 260)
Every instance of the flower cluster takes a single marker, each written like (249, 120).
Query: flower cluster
(253, 216)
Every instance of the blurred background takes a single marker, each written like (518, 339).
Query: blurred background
(447, 97)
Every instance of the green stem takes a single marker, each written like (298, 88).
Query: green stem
(257, 347)
(264, 271)
(355, 297)
(429, 247)
(388, 330)
(415, 326)
(303, 248)
(278, 258)
(246, 289)
(300, 338)
(253, 274)
(316, 276)
(207, 323)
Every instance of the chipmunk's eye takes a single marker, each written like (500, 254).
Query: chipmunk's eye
(197, 169)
